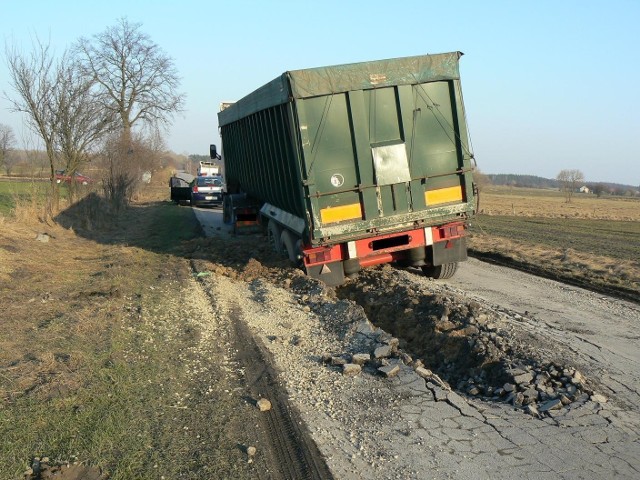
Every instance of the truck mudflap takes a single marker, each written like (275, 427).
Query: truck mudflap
(448, 251)
(331, 273)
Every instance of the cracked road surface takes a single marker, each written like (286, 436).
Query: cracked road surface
(404, 427)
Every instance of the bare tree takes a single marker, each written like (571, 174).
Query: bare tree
(33, 78)
(138, 81)
(82, 122)
(7, 143)
(59, 102)
(124, 161)
(569, 181)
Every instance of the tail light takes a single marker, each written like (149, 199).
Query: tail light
(195, 189)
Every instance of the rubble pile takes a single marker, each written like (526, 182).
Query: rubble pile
(477, 351)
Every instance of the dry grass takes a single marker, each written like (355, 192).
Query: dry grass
(593, 242)
(529, 202)
(96, 330)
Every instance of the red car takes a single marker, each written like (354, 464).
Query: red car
(61, 176)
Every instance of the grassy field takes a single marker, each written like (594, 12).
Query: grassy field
(97, 358)
(593, 242)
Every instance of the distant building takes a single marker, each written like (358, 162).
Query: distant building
(584, 189)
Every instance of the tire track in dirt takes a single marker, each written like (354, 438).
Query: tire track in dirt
(289, 452)
(294, 454)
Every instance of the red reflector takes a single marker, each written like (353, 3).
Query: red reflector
(195, 189)
(323, 256)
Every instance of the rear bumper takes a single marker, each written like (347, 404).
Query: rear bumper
(423, 246)
(203, 199)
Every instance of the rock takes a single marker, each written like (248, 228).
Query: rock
(532, 409)
(263, 404)
(351, 369)
(360, 358)
(530, 395)
(42, 237)
(596, 397)
(406, 358)
(565, 400)
(389, 370)
(518, 399)
(523, 378)
(508, 387)
(473, 391)
(338, 361)
(555, 404)
(251, 451)
(424, 373)
(383, 351)
(577, 378)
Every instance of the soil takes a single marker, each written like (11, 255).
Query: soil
(258, 328)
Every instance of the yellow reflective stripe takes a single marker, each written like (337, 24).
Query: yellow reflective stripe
(443, 195)
(343, 212)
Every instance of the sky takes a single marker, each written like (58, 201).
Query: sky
(548, 84)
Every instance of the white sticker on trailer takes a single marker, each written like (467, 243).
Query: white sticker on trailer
(428, 236)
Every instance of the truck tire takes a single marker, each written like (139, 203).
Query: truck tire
(440, 272)
(274, 237)
(290, 246)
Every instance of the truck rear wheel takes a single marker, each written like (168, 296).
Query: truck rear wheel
(440, 272)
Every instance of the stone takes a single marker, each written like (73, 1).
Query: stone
(424, 373)
(508, 387)
(351, 369)
(389, 370)
(530, 395)
(555, 404)
(263, 404)
(565, 400)
(577, 378)
(532, 409)
(523, 378)
(42, 237)
(474, 391)
(360, 358)
(251, 451)
(596, 397)
(383, 351)
(518, 399)
(338, 361)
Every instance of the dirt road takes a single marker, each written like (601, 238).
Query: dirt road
(603, 332)
(403, 425)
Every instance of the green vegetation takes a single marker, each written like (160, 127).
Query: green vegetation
(103, 359)
(619, 240)
(12, 192)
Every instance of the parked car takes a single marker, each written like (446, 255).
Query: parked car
(207, 191)
(77, 177)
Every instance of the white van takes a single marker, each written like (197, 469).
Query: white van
(208, 169)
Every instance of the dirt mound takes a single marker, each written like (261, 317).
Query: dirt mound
(477, 351)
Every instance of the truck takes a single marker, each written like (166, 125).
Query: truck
(354, 165)
(208, 169)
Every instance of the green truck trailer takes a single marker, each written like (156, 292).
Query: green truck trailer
(354, 165)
